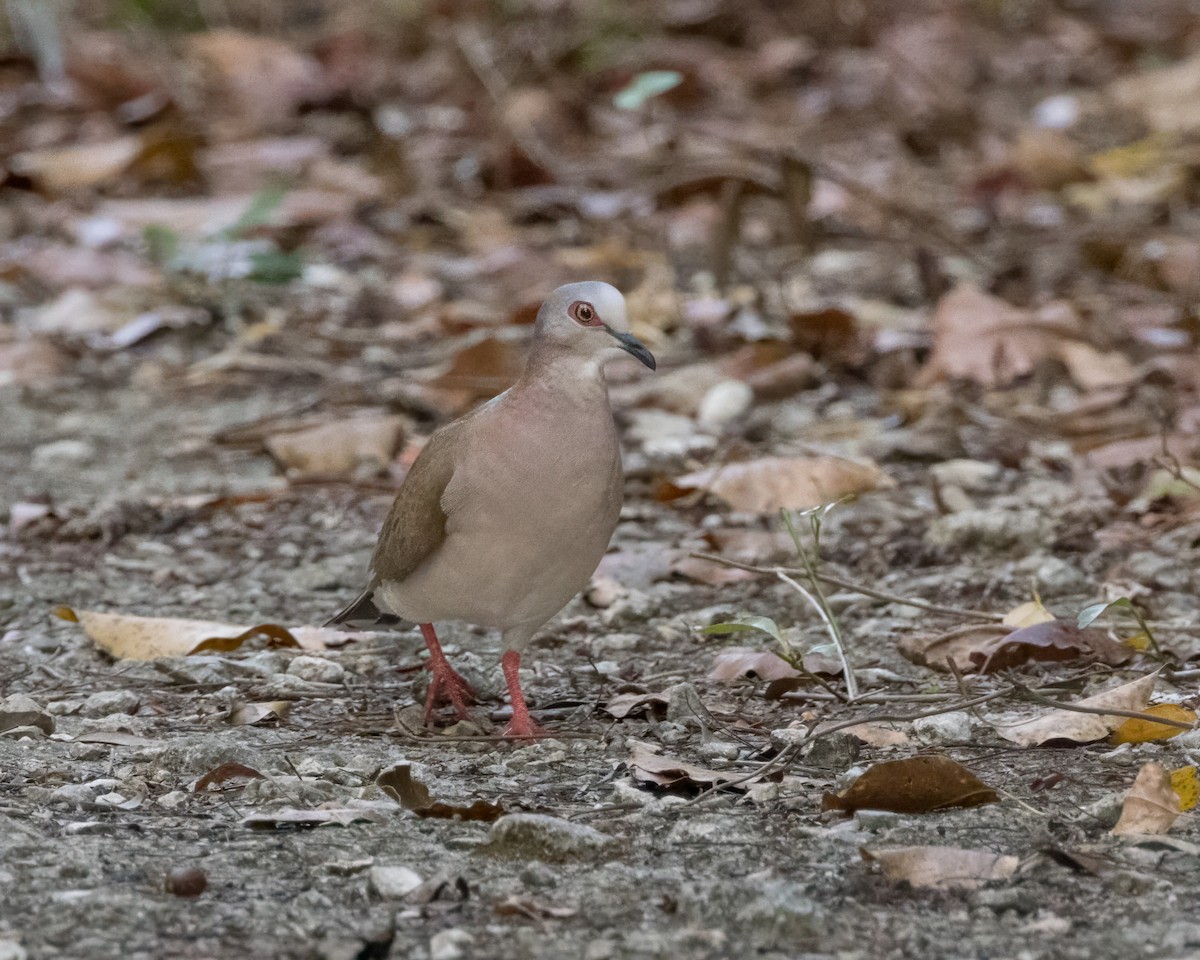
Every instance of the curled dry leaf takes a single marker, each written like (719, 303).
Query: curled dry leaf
(338, 448)
(739, 663)
(987, 648)
(943, 868)
(225, 773)
(653, 705)
(1075, 727)
(249, 714)
(518, 906)
(1151, 806)
(144, 638)
(774, 483)
(920, 784)
(648, 766)
(412, 794)
(306, 819)
(1134, 730)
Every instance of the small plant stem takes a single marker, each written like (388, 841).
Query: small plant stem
(834, 633)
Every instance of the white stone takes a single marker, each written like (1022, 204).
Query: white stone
(59, 452)
(394, 882)
(944, 728)
(316, 669)
(723, 404)
(449, 944)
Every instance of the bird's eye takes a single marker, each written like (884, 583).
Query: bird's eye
(583, 312)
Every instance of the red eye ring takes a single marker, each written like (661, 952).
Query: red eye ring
(584, 313)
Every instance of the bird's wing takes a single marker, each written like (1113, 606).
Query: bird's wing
(415, 526)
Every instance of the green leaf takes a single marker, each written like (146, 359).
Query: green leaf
(262, 205)
(275, 267)
(745, 625)
(646, 86)
(162, 243)
(1090, 614)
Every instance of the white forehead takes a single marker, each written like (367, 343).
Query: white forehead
(604, 297)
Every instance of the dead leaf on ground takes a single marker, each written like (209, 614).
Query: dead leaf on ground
(1145, 731)
(987, 648)
(943, 868)
(646, 765)
(1075, 727)
(710, 573)
(116, 738)
(338, 448)
(983, 338)
(399, 783)
(225, 773)
(144, 638)
(773, 483)
(877, 734)
(59, 169)
(1186, 785)
(533, 909)
(1151, 806)
(653, 705)
(31, 361)
(250, 714)
(740, 663)
(1168, 97)
(919, 784)
(307, 819)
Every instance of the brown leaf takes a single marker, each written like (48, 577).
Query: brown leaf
(793, 483)
(1167, 97)
(987, 648)
(1151, 806)
(708, 572)
(647, 766)
(622, 705)
(738, 663)
(31, 361)
(338, 448)
(1075, 727)
(919, 784)
(250, 714)
(943, 868)
(144, 638)
(223, 774)
(413, 795)
(519, 906)
(59, 169)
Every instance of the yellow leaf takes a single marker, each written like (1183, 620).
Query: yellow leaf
(1139, 641)
(1027, 614)
(1186, 787)
(1144, 731)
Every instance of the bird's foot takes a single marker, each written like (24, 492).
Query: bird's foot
(523, 728)
(446, 685)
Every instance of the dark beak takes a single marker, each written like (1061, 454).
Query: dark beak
(634, 347)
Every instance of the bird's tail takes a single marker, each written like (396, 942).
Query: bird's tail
(362, 609)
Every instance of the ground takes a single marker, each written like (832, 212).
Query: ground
(932, 264)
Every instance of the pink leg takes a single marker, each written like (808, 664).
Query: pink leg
(521, 726)
(446, 682)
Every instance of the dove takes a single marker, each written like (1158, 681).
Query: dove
(506, 512)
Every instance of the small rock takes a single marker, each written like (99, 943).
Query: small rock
(449, 944)
(316, 670)
(60, 452)
(723, 404)
(107, 702)
(603, 592)
(970, 475)
(18, 710)
(537, 836)
(11, 950)
(1056, 577)
(996, 529)
(185, 881)
(836, 752)
(24, 733)
(944, 728)
(83, 794)
(1003, 899)
(394, 883)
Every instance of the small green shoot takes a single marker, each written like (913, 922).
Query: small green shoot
(1090, 614)
(646, 86)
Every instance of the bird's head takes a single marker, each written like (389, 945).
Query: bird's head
(589, 320)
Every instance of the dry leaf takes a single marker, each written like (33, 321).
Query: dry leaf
(223, 774)
(919, 784)
(1168, 98)
(302, 819)
(338, 448)
(943, 868)
(144, 638)
(1151, 805)
(877, 734)
(31, 361)
(710, 573)
(647, 766)
(1186, 786)
(1027, 614)
(987, 648)
(481, 370)
(249, 714)
(116, 738)
(519, 906)
(738, 663)
(1081, 727)
(1144, 731)
(60, 169)
(623, 705)
(413, 795)
(774, 483)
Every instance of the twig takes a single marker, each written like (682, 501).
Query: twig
(847, 671)
(859, 588)
(1100, 711)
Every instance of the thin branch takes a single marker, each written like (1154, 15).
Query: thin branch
(1101, 711)
(866, 591)
(834, 635)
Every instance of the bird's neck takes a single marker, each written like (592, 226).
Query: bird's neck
(550, 367)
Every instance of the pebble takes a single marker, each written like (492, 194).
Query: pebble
(19, 710)
(537, 836)
(724, 403)
(104, 703)
(394, 882)
(970, 475)
(316, 670)
(449, 944)
(944, 728)
(11, 950)
(996, 529)
(59, 452)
